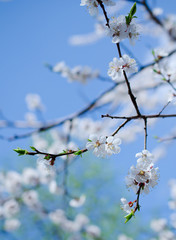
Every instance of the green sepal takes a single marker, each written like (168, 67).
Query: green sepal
(21, 151)
(129, 216)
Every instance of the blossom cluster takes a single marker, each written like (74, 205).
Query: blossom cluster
(78, 73)
(21, 190)
(119, 29)
(103, 146)
(92, 5)
(117, 66)
(82, 128)
(80, 223)
(144, 174)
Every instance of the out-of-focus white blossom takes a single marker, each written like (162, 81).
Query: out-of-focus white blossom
(77, 202)
(93, 231)
(10, 208)
(82, 219)
(78, 73)
(166, 235)
(54, 188)
(123, 237)
(170, 24)
(173, 219)
(13, 182)
(158, 225)
(30, 198)
(44, 165)
(34, 102)
(58, 216)
(117, 66)
(30, 176)
(172, 98)
(157, 11)
(30, 118)
(11, 224)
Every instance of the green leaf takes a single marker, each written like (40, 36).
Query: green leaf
(133, 10)
(156, 137)
(89, 140)
(131, 14)
(129, 216)
(128, 19)
(33, 148)
(153, 53)
(79, 152)
(156, 71)
(47, 157)
(21, 151)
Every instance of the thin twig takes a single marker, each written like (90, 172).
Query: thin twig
(164, 107)
(140, 116)
(122, 125)
(145, 133)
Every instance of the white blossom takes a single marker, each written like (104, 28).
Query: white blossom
(143, 174)
(119, 30)
(125, 205)
(117, 66)
(97, 144)
(112, 145)
(160, 52)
